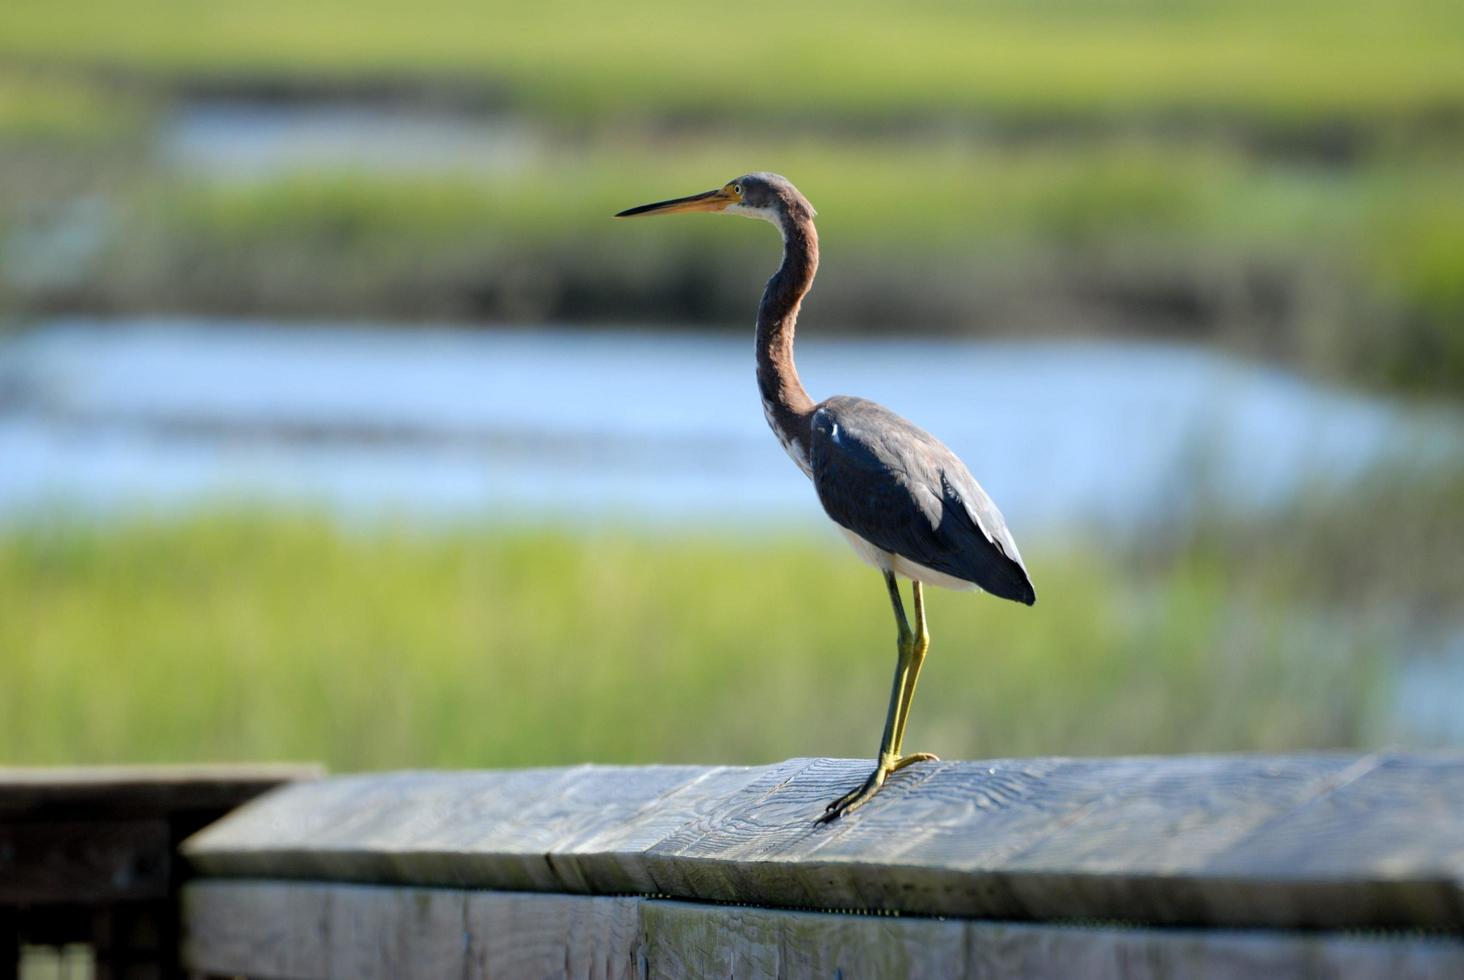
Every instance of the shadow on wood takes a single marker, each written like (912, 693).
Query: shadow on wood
(89, 856)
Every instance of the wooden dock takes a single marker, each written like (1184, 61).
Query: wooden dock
(1328, 865)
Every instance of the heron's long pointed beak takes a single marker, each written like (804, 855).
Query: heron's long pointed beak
(713, 200)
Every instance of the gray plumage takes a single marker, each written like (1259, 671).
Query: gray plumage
(899, 488)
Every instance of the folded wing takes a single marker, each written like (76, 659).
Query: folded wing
(902, 490)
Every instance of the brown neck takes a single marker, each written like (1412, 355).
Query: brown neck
(788, 407)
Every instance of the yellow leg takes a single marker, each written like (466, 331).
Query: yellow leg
(907, 666)
(917, 660)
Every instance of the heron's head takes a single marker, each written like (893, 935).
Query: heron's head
(758, 195)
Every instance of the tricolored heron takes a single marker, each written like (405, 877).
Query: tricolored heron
(908, 506)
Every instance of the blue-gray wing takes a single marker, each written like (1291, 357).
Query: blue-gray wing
(899, 488)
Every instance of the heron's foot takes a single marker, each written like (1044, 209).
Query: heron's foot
(912, 758)
(856, 798)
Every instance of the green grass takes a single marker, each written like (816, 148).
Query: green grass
(1304, 58)
(39, 109)
(873, 198)
(258, 636)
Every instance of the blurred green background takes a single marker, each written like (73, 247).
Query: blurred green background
(1275, 183)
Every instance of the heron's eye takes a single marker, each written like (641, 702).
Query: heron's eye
(737, 189)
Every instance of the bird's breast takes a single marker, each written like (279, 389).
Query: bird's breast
(796, 450)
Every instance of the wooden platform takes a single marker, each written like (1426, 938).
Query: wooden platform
(1296, 841)
(1226, 864)
(371, 932)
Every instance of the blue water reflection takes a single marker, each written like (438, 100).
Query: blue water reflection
(640, 426)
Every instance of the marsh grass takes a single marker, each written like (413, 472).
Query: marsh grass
(1302, 60)
(253, 635)
(64, 108)
(1347, 273)
(1283, 176)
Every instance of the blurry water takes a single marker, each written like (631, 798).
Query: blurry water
(649, 427)
(252, 140)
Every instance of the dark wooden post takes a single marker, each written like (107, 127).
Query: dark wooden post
(9, 945)
(90, 856)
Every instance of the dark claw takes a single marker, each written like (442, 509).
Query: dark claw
(853, 799)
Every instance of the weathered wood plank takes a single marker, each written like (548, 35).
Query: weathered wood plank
(1186, 840)
(396, 933)
(609, 856)
(523, 935)
(689, 940)
(305, 930)
(257, 930)
(1413, 837)
(997, 950)
(468, 829)
(310, 930)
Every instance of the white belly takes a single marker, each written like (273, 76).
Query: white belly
(887, 561)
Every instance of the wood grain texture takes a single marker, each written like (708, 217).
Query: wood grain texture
(689, 940)
(524, 935)
(247, 929)
(1320, 840)
(307, 930)
(999, 950)
(302, 929)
